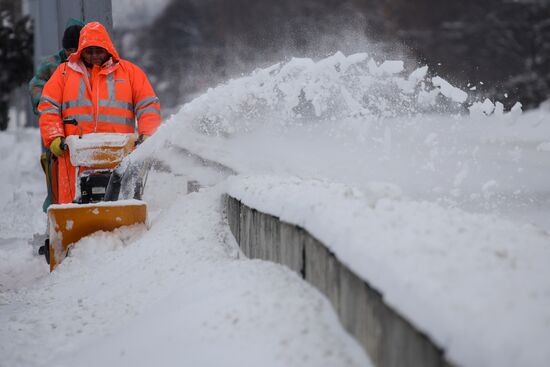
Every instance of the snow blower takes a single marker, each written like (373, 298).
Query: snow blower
(97, 158)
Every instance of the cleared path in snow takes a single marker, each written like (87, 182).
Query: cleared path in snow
(174, 295)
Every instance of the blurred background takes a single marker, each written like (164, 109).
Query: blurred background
(499, 49)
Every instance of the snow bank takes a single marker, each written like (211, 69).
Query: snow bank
(335, 88)
(341, 119)
(477, 284)
(352, 119)
(173, 295)
(431, 157)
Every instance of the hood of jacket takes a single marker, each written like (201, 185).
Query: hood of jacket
(94, 34)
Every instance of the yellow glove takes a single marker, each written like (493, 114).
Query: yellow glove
(57, 147)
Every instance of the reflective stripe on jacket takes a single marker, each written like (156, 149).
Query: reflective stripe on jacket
(102, 99)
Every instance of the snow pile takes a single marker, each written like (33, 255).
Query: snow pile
(477, 283)
(467, 280)
(336, 88)
(353, 120)
(173, 295)
(174, 292)
(482, 163)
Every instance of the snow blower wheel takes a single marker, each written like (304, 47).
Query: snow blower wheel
(45, 250)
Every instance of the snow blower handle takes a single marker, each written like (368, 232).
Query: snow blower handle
(75, 123)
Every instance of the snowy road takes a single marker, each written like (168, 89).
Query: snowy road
(452, 208)
(444, 210)
(176, 294)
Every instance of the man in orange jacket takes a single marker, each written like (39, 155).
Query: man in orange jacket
(101, 91)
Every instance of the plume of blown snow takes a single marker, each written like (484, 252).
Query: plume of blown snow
(336, 88)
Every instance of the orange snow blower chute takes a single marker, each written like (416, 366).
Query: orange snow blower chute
(96, 206)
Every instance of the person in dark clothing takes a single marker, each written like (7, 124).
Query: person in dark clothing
(44, 72)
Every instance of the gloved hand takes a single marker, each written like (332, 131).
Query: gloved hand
(57, 147)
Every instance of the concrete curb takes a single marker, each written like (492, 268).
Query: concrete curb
(389, 339)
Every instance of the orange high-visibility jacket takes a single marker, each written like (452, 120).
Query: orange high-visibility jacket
(102, 99)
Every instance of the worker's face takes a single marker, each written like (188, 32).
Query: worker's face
(95, 55)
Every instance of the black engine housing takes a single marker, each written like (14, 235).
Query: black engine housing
(93, 185)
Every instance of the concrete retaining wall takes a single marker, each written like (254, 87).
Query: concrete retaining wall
(389, 339)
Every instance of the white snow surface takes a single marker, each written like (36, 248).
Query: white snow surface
(177, 293)
(343, 120)
(457, 240)
(477, 284)
(441, 205)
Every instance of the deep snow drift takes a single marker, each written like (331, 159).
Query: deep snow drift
(354, 121)
(456, 233)
(431, 178)
(176, 294)
(475, 283)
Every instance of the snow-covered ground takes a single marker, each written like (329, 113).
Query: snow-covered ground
(176, 294)
(477, 284)
(443, 209)
(350, 121)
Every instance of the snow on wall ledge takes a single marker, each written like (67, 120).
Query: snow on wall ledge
(442, 269)
(388, 339)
